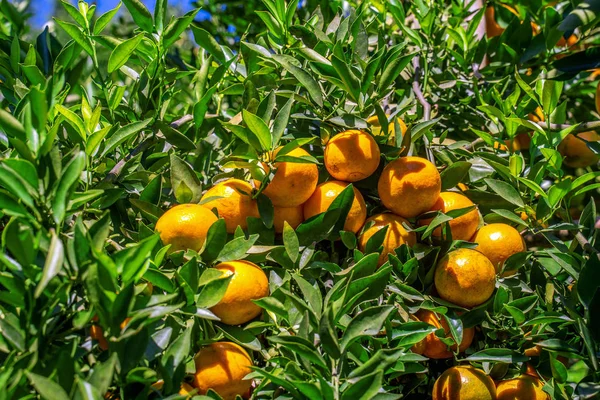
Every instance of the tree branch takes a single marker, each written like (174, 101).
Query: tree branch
(426, 106)
(585, 126)
(586, 245)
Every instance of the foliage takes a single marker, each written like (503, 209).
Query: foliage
(101, 132)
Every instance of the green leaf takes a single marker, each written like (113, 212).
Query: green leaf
(177, 27)
(392, 69)
(160, 14)
(122, 134)
(121, 53)
(290, 241)
(73, 119)
(47, 388)
(496, 355)
(259, 128)
(70, 176)
(105, 19)
(506, 191)
(281, 122)
(455, 174)
(300, 346)
(237, 248)
(74, 13)
(11, 126)
(367, 323)
(365, 387)
(215, 241)
(311, 294)
(78, 36)
(208, 43)
(305, 79)
(175, 137)
(140, 14)
(53, 264)
(183, 176)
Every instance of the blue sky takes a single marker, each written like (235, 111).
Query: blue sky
(42, 9)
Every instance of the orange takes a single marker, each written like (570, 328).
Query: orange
(570, 41)
(395, 236)
(498, 242)
(597, 98)
(373, 121)
(462, 227)
(293, 215)
(235, 203)
(351, 156)
(465, 277)
(185, 227)
(293, 182)
(97, 333)
(525, 387)
(434, 347)
(248, 283)
(575, 151)
(326, 193)
(492, 27)
(222, 367)
(409, 186)
(464, 383)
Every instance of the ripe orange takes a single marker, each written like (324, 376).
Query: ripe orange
(351, 156)
(409, 186)
(235, 203)
(465, 277)
(373, 121)
(97, 333)
(575, 151)
(498, 242)
(462, 227)
(525, 387)
(434, 347)
(326, 193)
(222, 367)
(395, 236)
(185, 226)
(293, 215)
(464, 383)
(492, 27)
(293, 182)
(248, 283)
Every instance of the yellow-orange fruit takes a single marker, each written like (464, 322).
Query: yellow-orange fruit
(351, 156)
(248, 283)
(97, 333)
(326, 193)
(409, 186)
(462, 227)
(185, 227)
(293, 183)
(235, 203)
(292, 215)
(395, 236)
(373, 121)
(575, 151)
(525, 387)
(498, 242)
(492, 27)
(465, 277)
(434, 347)
(222, 367)
(464, 383)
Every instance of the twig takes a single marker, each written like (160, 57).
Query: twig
(426, 106)
(585, 126)
(474, 143)
(586, 245)
(140, 148)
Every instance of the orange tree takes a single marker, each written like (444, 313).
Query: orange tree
(443, 245)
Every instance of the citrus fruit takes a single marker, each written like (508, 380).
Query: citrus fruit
(434, 347)
(326, 193)
(498, 242)
(462, 227)
(575, 151)
(492, 27)
(185, 226)
(235, 203)
(351, 156)
(375, 125)
(97, 333)
(395, 236)
(292, 215)
(293, 182)
(409, 186)
(525, 387)
(248, 282)
(464, 383)
(465, 277)
(222, 367)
